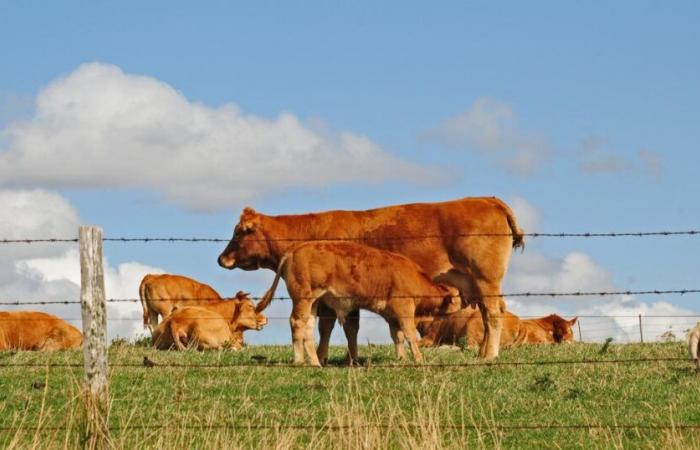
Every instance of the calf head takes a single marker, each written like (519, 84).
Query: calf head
(249, 248)
(245, 317)
(562, 329)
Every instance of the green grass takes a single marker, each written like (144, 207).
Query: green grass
(410, 406)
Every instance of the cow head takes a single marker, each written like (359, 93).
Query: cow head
(245, 317)
(248, 249)
(563, 332)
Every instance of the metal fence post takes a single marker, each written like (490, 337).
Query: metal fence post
(94, 314)
(641, 334)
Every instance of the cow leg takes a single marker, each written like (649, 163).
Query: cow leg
(351, 327)
(408, 328)
(326, 322)
(491, 308)
(397, 336)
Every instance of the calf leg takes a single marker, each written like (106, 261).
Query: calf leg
(397, 336)
(351, 328)
(302, 336)
(326, 322)
(408, 328)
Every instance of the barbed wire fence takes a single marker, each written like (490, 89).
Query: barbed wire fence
(93, 306)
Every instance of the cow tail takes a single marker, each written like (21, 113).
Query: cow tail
(267, 298)
(142, 294)
(516, 231)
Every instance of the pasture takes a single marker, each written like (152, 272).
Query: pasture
(237, 400)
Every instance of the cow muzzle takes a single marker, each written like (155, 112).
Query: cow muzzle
(226, 261)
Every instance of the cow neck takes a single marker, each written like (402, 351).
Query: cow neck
(278, 228)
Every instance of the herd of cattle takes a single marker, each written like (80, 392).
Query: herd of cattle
(429, 268)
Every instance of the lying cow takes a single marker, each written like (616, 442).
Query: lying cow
(515, 332)
(350, 276)
(161, 294)
(31, 330)
(463, 243)
(467, 324)
(546, 330)
(212, 326)
(694, 345)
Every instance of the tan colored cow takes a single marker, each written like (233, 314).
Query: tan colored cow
(351, 276)
(467, 323)
(694, 345)
(161, 294)
(33, 330)
(212, 326)
(463, 243)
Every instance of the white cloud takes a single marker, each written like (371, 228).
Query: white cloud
(100, 127)
(35, 272)
(597, 157)
(490, 127)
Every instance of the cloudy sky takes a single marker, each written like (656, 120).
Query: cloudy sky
(168, 119)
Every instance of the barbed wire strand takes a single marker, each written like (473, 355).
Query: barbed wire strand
(613, 234)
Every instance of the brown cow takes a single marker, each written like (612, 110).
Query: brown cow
(465, 323)
(32, 330)
(516, 332)
(161, 294)
(550, 329)
(463, 243)
(211, 326)
(351, 276)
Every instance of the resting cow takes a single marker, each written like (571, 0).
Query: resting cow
(463, 243)
(212, 326)
(694, 345)
(550, 329)
(31, 330)
(351, 276)
(160, 294)
(467, 323)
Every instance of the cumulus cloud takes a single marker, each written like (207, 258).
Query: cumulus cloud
(101, 127)
(613, 316)
(490, 127)
(35, 272)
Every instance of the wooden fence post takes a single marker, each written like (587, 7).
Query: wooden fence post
(641, 334)
(94, 313)
(580, 337)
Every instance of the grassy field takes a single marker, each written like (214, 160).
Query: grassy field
(369, 407)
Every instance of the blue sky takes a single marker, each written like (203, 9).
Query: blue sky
(603, 97)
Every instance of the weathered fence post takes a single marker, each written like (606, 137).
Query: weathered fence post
(94, 312)
(580, 337)
(641, 334)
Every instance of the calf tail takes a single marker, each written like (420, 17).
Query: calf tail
(267, 298)
(517, 232)
(142, 294)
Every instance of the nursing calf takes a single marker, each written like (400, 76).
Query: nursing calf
(350, 276)
(30, 330)
(161, 294)
(212, 326)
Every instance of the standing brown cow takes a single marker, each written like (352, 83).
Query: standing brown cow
(32, 330)
(463, 243)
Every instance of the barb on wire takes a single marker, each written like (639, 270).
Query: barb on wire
(372, 238)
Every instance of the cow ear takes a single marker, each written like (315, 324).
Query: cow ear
(249, 220)
(240, 295)
(572, 322)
